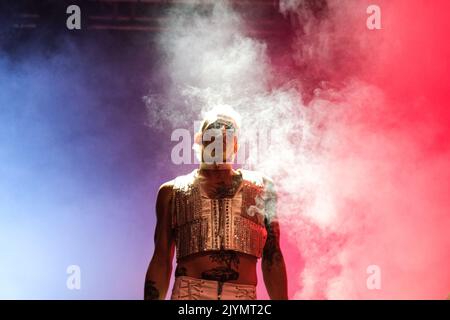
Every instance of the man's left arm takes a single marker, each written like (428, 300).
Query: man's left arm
(273, 266)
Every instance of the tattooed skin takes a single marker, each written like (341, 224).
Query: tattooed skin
(150, 290)
(227, 271)
(180, 271)
(223, 190)
(272, 252)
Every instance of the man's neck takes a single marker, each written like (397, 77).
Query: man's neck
(220, 169)
(216, 166)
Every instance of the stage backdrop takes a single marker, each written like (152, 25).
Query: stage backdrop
(358, 115)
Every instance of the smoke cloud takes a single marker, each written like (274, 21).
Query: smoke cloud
(360, 179)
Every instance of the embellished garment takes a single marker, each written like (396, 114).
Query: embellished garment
(234, 223)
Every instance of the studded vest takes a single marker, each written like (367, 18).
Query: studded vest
(204, 224)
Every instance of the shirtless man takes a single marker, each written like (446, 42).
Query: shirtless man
(220, 221)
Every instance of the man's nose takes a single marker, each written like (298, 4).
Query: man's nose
(225, 135)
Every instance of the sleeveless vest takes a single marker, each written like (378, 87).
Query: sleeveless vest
(204, 224)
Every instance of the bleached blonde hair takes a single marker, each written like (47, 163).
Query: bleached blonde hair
(224, 112)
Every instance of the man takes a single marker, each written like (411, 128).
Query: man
(220, 221)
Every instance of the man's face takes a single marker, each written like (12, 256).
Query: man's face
(219, 142)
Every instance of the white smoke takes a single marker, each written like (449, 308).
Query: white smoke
(212, 62)
(324, 154)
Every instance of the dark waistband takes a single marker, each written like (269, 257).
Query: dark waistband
(213, 282)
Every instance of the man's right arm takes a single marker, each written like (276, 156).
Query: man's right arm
(160, 268)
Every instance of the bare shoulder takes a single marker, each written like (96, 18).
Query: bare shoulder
(165, 191)
(268, 181)
(166, 186)
(256, 176)
(260, 178)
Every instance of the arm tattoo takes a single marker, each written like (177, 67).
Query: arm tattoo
(272, 252)
(222, 190)
(150, 290)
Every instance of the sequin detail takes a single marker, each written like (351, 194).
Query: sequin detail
(204, 224)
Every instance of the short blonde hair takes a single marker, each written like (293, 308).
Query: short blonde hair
(222, 112)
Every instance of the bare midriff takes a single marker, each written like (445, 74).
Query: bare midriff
(222, 266)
